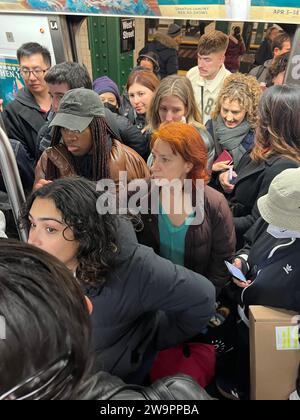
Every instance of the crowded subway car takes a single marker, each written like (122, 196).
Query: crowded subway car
(149, 201)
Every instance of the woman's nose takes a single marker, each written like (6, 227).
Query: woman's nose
(229, 116)
(169, 116)
(154, 165)
(33, 238)
(135, 99)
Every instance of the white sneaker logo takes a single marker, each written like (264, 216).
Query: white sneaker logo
(288, 269)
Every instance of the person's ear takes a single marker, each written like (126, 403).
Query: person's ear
(222, 58)
(89, 305)
(188, 167)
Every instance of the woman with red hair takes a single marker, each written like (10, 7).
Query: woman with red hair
(194, 226)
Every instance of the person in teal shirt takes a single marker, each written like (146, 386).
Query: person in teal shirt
(193, 226)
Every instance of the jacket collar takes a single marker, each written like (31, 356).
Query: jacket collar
(253, 167)
(211, 85)
(25, 97)
(165, 40)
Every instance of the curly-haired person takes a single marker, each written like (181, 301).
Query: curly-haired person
(142, 303)
(234, 118)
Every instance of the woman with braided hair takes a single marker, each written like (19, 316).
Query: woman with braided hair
(84, 144)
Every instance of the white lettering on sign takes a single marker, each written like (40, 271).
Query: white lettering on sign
(53, 25)
(127, 35)
(127, 24)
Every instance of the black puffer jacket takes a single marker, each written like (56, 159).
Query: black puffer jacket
(166, 49)
(23, 119)
(253, 181)
(147, 304)
(129, 133)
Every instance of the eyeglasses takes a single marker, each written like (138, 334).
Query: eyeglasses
(68, 131)
(38, 73)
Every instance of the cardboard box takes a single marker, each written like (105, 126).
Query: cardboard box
(274, 352)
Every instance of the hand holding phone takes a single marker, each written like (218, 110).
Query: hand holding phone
(232, 176)
(236, 272)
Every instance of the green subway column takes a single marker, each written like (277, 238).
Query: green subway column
(105, 47)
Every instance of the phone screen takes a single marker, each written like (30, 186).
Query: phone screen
(231, 176)
(236, 272)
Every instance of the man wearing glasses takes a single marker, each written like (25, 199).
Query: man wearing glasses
(28, 112)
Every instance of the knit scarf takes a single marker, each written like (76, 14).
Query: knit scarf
(231, 138)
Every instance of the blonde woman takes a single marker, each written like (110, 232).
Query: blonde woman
(174, 101)
(234, 118)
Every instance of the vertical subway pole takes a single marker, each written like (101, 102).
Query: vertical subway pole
(292, 74)
(12, 180)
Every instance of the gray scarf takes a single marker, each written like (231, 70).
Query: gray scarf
(231, 138)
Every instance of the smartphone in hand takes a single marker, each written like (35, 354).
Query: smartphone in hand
(231, 176)
(236, 272)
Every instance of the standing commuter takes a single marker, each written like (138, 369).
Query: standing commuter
(207, 78)
(28, 112)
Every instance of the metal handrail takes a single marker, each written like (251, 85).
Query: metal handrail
(12, 180)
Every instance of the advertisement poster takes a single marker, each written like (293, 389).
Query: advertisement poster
(286, 11)
(10, 79)
(193, 9)
(189, 9)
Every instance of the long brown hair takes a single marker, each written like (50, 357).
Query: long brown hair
(278, 132)
(180, 87)
(144, 78)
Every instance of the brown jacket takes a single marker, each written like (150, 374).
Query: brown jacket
(122, 158)
(208, 244)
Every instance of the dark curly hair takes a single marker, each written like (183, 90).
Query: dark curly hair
(95, 233)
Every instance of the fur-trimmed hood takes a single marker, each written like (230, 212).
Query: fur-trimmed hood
(165, 40)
